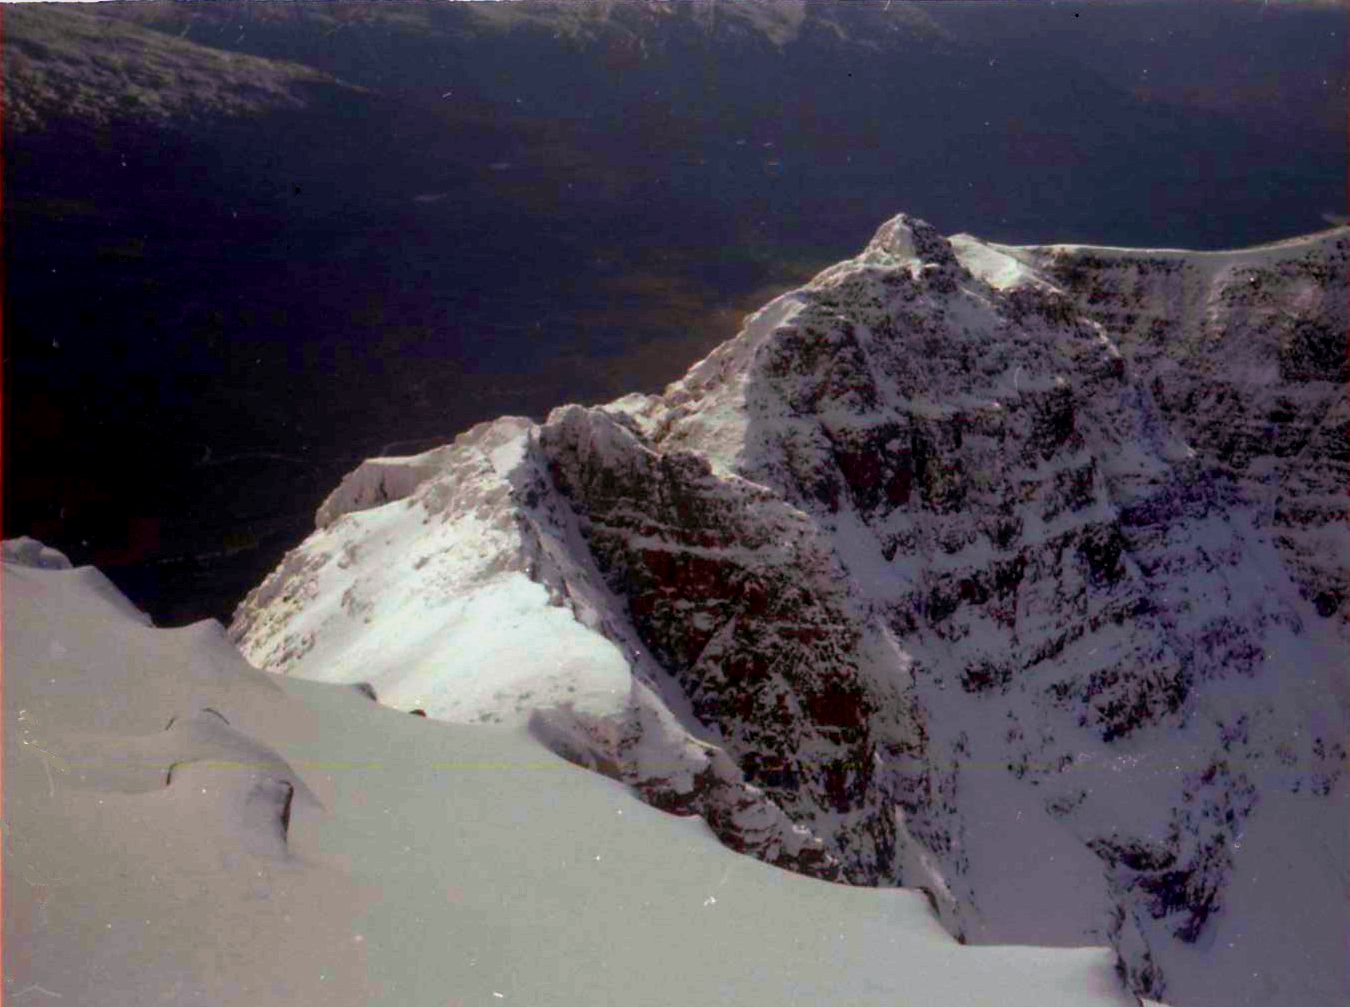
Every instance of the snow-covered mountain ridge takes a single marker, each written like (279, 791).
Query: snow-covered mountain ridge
(1012, 573)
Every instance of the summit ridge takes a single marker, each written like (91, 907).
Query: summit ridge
(1012, 573)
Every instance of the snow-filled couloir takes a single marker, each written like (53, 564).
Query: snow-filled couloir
(1013, 573)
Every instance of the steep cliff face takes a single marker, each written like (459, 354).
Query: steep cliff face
(1012, 573)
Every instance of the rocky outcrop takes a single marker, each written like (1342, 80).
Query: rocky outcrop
(738, 598)
(378, 481)
(677, 774)
(955, 531)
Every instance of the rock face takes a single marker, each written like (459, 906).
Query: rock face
(1017, 574)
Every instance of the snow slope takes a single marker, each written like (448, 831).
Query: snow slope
(183, 829)
(1017, 574)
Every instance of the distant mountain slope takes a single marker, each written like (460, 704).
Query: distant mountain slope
(83, 65)
(1014, 573)
(178, 828)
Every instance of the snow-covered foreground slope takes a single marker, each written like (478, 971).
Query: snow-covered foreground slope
(1017, 574)
(158, 847)
(182, 829)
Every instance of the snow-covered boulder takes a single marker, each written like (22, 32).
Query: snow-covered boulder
(25, 551)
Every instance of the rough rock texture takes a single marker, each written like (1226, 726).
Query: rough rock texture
(1013, 573)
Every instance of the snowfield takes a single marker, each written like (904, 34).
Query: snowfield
(181, 828)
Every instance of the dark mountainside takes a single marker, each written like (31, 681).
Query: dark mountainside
(247, 244)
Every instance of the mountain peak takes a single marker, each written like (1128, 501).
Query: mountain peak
(904, 238)
(1016, 574)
